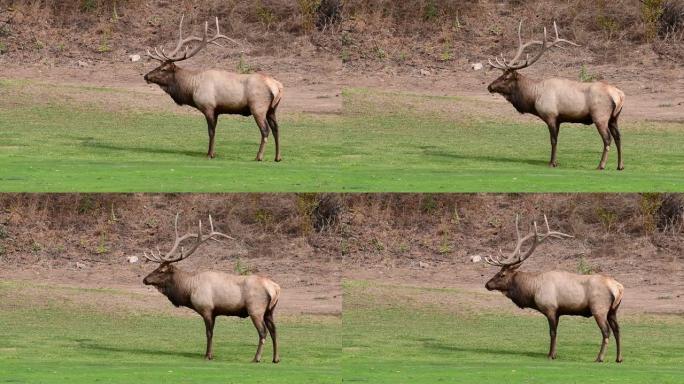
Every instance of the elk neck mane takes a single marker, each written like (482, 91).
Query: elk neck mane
(179, 288)
(524, 95)
(523, 289)
(182, 88)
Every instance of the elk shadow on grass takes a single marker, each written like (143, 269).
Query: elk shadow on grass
(431, 151)
(93, 345)
(159, 151)
(444, 347)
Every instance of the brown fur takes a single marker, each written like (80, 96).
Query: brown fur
(214, 92)
(212, 294)
(557, 293)
(558, 101)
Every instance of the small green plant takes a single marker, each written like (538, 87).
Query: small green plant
(38, 44)
(308, 9)
(379, 246)
(428, 204)
(265, 15)
(447, 55)
(585, 76)
(404, 248)
(263, 217)
(608, 25)
(345, 56)
(242, 268)
(85, 204)
(347, 39)
(379, 53)
(651, 10)
(3, 48)
(243, 66)
(104, 46)
(2, 251)
(3, 232)
(649, 205)
(584, 268)
(36, 247)
(344, 247)
(607, 218)
(88, 5)
(430, 12)
(102, 245)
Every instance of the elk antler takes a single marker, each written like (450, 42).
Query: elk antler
(168, 257)
(516, 63)
(160, 55)
(515, 258)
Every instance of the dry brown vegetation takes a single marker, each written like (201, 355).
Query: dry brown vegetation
(390, 229)
(439, 33)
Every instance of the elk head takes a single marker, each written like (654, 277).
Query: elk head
(507, 82)
(162, 277)
(510, 264)
(164, 74)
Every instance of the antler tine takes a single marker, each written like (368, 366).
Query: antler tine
(153, 56)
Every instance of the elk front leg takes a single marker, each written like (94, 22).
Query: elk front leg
(554, 127)
(605, 136)
(264, 129)
(270, 324)
(553, 327)
(612, 321)
(209, 320)
(260, 326)
(211, 128)
(605, 332)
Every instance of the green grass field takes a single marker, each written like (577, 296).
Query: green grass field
(57, 340)
(380, 142)
(409, 335)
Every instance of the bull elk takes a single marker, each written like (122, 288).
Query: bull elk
(556, 100)
(213, 294)
(214, 92)
(557, 293)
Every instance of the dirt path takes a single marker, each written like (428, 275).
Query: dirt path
(313, 289)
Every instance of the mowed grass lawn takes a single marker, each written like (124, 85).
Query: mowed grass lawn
(398, 334)
(53, 339)
(51, 144)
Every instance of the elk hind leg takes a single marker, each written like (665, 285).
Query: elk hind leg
(602, 321)
(270, 324)
(553, 327)
(259, 324)
(212, 119)
(264, 128)
(615, 132)
(605, 136)
(273, 123)
(612, 321)
(554, 128)
(209, 320)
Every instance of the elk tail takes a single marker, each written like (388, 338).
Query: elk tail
(618, 101)
(276, 91)
(273, 291)
(616, 289)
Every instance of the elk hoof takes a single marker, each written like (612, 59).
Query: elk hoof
(598, 360)
(621, 168)
(276, 360)
(553, 164)
(278, 159)
(618, 360)
(601, 167)
(209, 357)
(552, 357)
(255, 360)
(259, 159)
(211, 155)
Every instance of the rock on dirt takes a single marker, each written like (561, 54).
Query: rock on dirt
(423, 265)
(80, 265)
(82, 64)
(425, 72)
(476, 66)
(132, 259)
(134, 58)
(475, 258)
